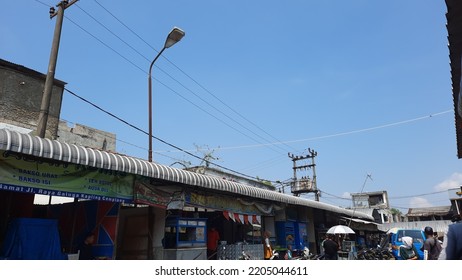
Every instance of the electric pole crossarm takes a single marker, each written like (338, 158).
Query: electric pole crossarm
(66, 5)
(304, 166)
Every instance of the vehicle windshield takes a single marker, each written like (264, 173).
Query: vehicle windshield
(415, 234)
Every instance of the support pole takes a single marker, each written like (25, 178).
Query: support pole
(46, 98)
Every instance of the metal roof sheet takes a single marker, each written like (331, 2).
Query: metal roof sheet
(454, 27)
(53, 149)
(427, 211)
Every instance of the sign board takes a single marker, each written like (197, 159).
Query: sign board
(33, 175)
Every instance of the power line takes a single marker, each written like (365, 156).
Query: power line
(110, 137)
(106, 45)
(341, 133)
(196, 82)
(335, 196)
(418, 195)
(177, 93)
(268, 162)
(400, 207)
(44, 4)
(373, 128)
(240, 115)
(109, 30)
(131, 62)
(420, 205)
(107, 112)
(126, 142)
(332, 196)
(157, 138)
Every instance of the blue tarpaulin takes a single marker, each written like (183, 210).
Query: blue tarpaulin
(32, 239)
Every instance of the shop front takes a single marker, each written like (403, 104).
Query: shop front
(147, 195)
(237, 220)
(97, 197)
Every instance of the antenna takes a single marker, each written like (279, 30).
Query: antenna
(207, 155)
(368, 176)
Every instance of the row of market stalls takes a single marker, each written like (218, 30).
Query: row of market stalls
(144, 210)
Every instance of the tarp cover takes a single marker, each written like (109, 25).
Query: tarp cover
(32, 239)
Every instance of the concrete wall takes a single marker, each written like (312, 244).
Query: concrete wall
(21, 91)
(87, 136)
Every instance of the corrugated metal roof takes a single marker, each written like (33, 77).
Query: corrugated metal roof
(366, 211)
(360, 221)
(454, 27)
(438, 226)
(52, 149)
(427, 211)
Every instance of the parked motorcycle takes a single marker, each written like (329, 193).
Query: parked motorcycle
(306, 255)
(375, 254)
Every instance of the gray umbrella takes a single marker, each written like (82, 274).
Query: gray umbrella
(340, 229)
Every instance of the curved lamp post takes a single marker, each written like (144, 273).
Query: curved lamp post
(173, 37)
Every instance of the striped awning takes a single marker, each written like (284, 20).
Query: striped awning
(51, 149)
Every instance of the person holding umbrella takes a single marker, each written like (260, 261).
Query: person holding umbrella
(330, 248)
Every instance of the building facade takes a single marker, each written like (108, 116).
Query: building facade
(21, 91)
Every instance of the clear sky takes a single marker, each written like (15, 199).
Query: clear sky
(366, 84)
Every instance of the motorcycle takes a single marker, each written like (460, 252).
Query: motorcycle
(306, 255)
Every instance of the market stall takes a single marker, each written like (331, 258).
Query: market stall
(185, 239)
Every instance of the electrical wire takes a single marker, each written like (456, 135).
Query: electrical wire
(159, 139)
(418, 195)
(44, 4)
(128, 143)
(181, 84)
(420, 205)
(171, 89)
(192, 79)
(125, 122)
(335, 196)
(341, 133)
(195, 81)
(110, 137)
(323, 193)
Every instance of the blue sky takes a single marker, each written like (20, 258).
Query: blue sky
(366, 84)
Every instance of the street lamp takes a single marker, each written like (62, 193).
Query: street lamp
(173, 37)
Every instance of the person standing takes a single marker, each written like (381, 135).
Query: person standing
(330, 248)
(288, 255)
(431, 245)
(212, 243)
(86, 248)
(454, 242)
(267, 248)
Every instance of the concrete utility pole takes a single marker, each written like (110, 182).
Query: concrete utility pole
(305, 184)
(46, 98)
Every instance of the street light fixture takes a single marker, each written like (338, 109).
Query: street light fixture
(173, 37)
